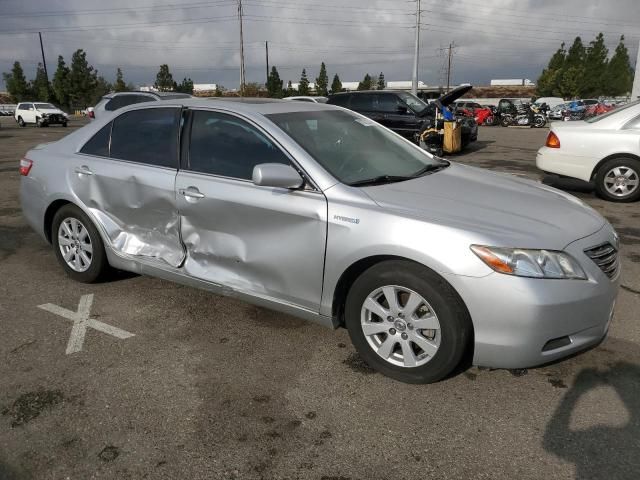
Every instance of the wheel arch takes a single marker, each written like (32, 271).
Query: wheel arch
(613, 156)
(49, 213)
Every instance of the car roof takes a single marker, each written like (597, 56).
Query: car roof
(262, 106)
(157, 94)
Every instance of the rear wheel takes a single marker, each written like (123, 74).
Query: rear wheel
(407, 322)
(618, 180)
(539, 121)
(78, 245)
(21, 122)
(505, 121)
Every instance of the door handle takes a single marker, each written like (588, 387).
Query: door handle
(191, 192)
(84, 170)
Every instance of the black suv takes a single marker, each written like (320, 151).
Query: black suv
(403, 112)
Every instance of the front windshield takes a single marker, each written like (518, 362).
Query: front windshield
(412, 101)
(354, 149)
(612, 112)
(45, 106)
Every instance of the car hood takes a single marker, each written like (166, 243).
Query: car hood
(50, 110)
(501, 208)
(453, 95)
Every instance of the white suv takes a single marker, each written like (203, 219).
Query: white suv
(40, 114)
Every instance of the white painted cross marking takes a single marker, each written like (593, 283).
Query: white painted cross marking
(81, 320)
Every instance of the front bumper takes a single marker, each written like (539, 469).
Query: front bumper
(524, 322)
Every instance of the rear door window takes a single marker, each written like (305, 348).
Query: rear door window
(147, 136)
(388, 103)
(362, 103)
(99, 144)
(225, 145)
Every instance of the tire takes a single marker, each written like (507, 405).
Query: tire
(618, 180)
(64, 124)
(505, 122)
(98, 266)
(448, 342)
(38, 123)
(21, 122)
(539, 122)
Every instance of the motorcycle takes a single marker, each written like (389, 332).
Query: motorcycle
(524, 117)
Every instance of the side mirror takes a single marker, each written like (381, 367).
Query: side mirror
(276, 175)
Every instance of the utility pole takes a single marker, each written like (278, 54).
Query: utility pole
(242, 79)
(451, 45)
(266, 48)
(44, 62)
(414, 82)
(635, 91)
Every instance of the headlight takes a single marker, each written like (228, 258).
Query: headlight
(530, 263)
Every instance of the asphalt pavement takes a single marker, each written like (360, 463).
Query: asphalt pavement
(171, 382)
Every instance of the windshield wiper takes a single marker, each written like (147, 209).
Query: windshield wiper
(380, 180)
(431, 168)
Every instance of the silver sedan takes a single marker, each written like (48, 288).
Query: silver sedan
(319, 212)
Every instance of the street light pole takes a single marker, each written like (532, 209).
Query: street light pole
(242, 78)
(414, 82)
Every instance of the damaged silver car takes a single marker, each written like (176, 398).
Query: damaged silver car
(322, 213)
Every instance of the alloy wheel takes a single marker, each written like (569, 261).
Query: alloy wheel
(621, 181)
(400, 326)
(75, 244)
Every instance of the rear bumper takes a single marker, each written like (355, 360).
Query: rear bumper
(553, 160)
(524, 322)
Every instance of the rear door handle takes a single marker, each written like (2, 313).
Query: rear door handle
(84, 170)
(191, 192)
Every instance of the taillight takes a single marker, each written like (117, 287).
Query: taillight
(552, 140)
(25, 166)
(91, 114)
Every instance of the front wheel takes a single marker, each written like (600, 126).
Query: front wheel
(78, 245)
(539, 121)
(21, 122)
(618, 180)
(407, 322)
(505, 121)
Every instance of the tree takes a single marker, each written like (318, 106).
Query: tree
(40, 85)
(120, 85)
(60, 83)
(595, 68)
(83, 80)
(102, 87)
(16, 83)
(366, 83)
(303, 86)
(322, 82)
(381, 82)
(218, 92)
(290, 91)
(619, 76)
(164, 79)
(186, 86)
(336, 85)
(252, 89)
(274, 84)
(548, 84)
(571, 78)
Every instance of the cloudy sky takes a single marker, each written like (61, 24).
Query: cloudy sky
(199, 38)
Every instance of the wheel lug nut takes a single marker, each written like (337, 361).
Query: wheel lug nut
(390, 318)
(392, 331)
(405, 336)
(410, 326)
(401, 315)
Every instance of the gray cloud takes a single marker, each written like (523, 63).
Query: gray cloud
(199, 38)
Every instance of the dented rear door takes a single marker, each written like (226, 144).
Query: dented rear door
(268, 242)
(125, 176)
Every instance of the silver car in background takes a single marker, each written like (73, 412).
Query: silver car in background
(117, 100)
(322, 213)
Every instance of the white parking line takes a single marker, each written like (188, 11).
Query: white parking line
(81, 321)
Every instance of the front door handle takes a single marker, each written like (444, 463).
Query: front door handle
(191, 192)
(84, 170)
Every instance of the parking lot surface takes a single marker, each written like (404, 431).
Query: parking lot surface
(181, 383)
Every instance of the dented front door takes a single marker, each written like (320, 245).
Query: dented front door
(264, 241)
